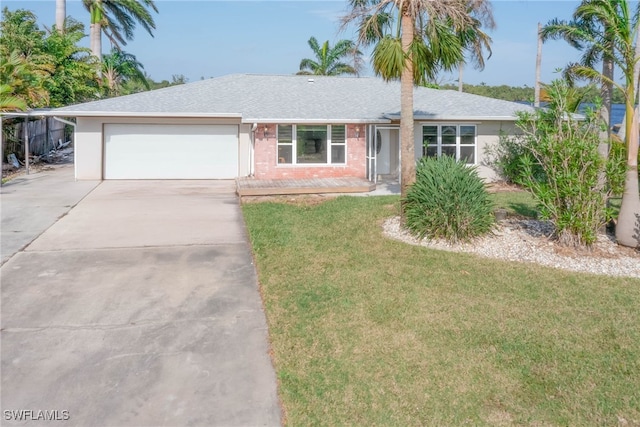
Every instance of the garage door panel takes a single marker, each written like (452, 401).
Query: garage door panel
(171, 151)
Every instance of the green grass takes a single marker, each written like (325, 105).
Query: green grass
(516, 203)
(367, 330)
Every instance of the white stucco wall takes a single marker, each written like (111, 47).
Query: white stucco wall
(89, 141)
(488, 133)
(88, 148)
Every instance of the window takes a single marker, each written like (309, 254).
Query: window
(458, 141)
(312, 144)
(285, 143)
(338, 144)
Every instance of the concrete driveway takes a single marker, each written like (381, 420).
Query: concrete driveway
(139, 307)
(32, 203)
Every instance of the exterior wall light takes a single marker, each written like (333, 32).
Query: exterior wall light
(358, 132)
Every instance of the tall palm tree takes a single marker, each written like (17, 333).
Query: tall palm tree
(617, 34)
(117, 19)
(328, 59)
(429, 35)
(118, 67)
(581, 33)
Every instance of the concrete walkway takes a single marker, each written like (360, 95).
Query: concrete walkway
(140, 307)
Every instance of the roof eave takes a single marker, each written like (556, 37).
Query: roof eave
(457, 118)
(323, 121)
(76, 113)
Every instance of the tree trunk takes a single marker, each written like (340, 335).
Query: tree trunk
(408, 162)
(61, 14)
(628, 226)
(536, 102)
(606, 93)
(95, 33)
(460, 71)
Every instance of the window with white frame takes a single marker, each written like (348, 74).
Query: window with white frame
(312, 144)
(458, 141)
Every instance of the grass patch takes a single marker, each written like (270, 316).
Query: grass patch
(367, 331)
(516, 203)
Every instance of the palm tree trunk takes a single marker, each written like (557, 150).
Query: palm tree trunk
(628, 226)
(460, 71)
(606, 94)
(95, 33)
(408, 164)
(61, 14)
(536, 101)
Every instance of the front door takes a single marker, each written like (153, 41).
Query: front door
(387, 152)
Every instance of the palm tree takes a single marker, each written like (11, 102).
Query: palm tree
(429, 35)
(581, 32)
(328, 59)
(117, 19)
(617, 37)
(119, 67)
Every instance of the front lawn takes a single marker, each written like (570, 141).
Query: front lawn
(367, 330)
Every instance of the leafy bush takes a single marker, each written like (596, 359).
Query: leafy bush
(448, 200)
(505, 157)
(572, 190)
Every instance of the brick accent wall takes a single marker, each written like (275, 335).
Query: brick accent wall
(266, 166)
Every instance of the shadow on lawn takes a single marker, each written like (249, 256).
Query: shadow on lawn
(523, 209)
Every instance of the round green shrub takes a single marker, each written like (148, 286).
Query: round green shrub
(448, 200)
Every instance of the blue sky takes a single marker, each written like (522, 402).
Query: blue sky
(214, 38)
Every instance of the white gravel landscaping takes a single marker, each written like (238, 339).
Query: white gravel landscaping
(528, 241)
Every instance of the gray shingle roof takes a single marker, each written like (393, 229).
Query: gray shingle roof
(292, 98)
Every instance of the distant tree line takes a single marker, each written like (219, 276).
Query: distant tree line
(525, 93)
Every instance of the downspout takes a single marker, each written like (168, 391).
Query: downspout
(26, 143)
(252, 149)
(75, 163)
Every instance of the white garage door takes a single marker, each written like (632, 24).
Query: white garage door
(144, 151)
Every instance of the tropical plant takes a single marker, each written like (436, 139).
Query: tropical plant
(74, 77)
(24, 64)
(19, 32)
(448, 200)
(328, 61)
(429, 35)
(26, 79)
(117, 19)
(10, 102)
(561, 167)
(618, 35)
(120, 67)
(45, 68)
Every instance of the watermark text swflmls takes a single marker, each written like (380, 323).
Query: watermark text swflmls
(36, 415)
